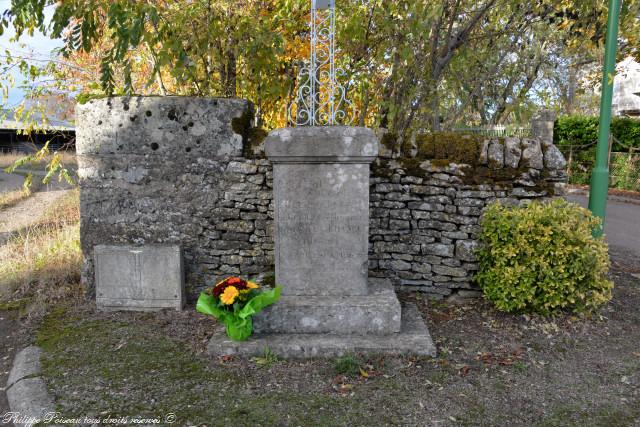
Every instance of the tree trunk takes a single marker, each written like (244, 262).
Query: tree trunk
(571, 89)
(230, 82)
(435, 110)
(365, 107)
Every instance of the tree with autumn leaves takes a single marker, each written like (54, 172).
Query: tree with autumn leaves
(410, 65)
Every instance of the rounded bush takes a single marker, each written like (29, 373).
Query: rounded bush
(543, 258)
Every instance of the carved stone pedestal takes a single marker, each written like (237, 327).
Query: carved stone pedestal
(328, 306)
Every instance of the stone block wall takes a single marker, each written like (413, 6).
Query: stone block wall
(425, 217)
(172, 170)
(184, 171)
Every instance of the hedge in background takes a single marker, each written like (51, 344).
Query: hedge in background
(543, 258)
(581, 130)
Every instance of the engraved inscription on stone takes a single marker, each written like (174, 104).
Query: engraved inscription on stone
(321, 228)
(139, 278)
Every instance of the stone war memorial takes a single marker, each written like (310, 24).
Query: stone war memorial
(329, 305)
(178, 193)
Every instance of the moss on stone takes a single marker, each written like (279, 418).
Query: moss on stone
(83, 98)
(411, 166)
(389, 141)
(252, 136)
(441, 163)
(269, 280)
(442, 149)
(451, 146)
(488, 175)
(380, 168)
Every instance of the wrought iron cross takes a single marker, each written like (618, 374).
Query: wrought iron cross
(321, 99)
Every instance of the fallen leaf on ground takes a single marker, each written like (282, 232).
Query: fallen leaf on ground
(120, 345)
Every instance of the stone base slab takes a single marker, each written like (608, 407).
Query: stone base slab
(377, 313)
(413, 339)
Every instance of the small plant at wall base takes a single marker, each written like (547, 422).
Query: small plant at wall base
(233, 301)
(543, 258)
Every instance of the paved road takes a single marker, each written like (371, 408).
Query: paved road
(622, 223)
(10, 182)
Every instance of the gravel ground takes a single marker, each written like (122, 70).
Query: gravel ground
(493, 370)
(26, 213)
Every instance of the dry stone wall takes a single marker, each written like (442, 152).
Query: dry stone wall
(425, 221)
(188, 171)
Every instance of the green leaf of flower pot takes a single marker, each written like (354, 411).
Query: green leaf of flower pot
(238, 324)
(238, 329)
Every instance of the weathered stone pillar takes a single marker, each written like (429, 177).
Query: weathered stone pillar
(321, 195)
(321, 232)
(542, 126)
(329, 306)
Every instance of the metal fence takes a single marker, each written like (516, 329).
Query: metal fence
(624, 171)
(624, 167)
(497, 131)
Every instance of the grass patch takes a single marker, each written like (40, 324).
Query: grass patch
(42, 263)
(607, 415)
(14, 305)
(347, 365)
(12, 198)
(267, 360)
(120, 367)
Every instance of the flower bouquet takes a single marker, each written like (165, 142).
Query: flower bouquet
(233, 301)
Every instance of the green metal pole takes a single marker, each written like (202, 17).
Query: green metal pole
(600, 174)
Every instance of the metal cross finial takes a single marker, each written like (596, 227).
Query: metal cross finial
(321, 99)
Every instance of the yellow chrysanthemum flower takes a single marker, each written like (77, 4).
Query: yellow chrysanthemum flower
(252, 285)
(229, 295)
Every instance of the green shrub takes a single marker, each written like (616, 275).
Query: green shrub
(542, 258)
(580, 130)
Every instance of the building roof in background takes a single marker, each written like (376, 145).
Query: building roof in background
(8, 121)
(626, 87)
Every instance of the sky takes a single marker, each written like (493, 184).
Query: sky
(38, 47)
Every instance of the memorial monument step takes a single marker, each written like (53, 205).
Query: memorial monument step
(377, 313)
(413, 339)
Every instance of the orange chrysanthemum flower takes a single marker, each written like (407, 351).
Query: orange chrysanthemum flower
(229, 295)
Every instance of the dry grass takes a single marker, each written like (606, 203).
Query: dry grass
(12, 198)
(8, 159)
(41, 265)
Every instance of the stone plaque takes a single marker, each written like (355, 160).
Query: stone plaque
(321, 194)
(139, 277)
